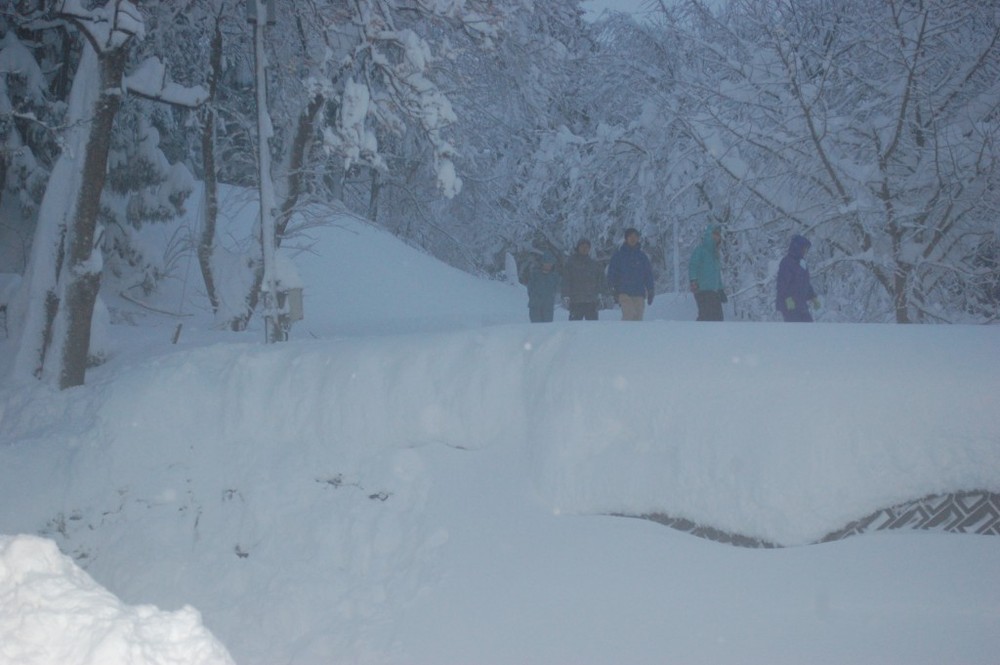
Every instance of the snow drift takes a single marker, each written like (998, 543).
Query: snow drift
(778, 432)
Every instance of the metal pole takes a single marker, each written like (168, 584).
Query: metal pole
(272, 328)
(677, 256)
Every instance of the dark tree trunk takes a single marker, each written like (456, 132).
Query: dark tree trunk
(206, 244)
(373, 195)
(82, 271)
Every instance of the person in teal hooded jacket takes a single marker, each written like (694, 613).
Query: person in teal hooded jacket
(705, 273)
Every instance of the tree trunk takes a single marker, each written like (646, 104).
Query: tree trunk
(206, 244)
(38, 302)
(373, 195)
(900, 301)
(81, 277)
(64, 274)
(295, 189)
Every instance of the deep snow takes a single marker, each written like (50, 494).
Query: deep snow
(421, 477)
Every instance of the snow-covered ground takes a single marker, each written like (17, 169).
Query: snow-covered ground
(420, 477)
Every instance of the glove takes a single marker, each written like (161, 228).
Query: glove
(815, 303)
(694, 286)
(789, 303)
(722, 296)
(649, 299)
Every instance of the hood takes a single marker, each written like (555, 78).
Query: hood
(798, 245)
(706, 239)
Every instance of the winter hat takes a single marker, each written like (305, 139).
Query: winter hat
(631, 231)
(798, 244)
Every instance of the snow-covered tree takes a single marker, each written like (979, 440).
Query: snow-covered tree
(39, 56)
(610, 153)
(869, 127)
(344, 82)
(31, 109)
(56, 303)
(506, 98)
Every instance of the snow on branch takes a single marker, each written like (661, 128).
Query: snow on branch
(149, 80)
(108, 27)
(16, 58)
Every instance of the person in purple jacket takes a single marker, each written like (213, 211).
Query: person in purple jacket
(795, 291)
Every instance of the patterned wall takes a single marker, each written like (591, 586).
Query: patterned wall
(964, 512)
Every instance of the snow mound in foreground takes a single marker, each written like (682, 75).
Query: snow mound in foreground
(53, 612)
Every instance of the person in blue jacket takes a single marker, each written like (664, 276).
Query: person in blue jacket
(543, 284)
(630, 276)
(705, 274)
(795, 291)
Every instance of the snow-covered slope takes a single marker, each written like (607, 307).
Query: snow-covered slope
(419, 477)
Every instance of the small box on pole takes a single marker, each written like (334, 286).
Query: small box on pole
(266, 5)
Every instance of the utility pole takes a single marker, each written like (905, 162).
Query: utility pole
(260, 13)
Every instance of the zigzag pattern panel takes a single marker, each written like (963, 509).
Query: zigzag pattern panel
(964, 512)
(976, 512)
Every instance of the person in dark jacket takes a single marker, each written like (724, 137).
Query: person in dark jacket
(543, 284)
(582, 283)
(705, 273)
(795, 291)
(630, 276)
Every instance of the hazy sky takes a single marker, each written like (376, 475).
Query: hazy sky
(595, 7)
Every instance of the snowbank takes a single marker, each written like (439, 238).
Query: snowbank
(783, 433)
(53, 613)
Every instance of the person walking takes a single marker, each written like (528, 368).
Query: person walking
(795, 291)
(630, 276)
(582, 283)
(543, 284)
(705, 273)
